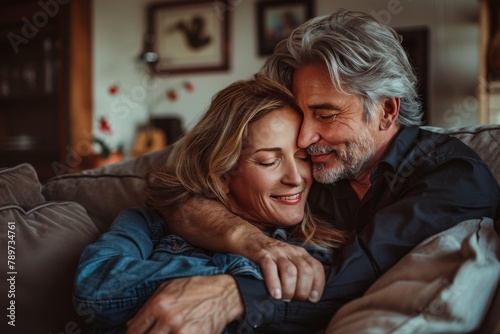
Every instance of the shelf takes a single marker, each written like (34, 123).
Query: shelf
(30, 99)
(45, 84)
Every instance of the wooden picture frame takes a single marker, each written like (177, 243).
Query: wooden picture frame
(276, 19)
(189, 36)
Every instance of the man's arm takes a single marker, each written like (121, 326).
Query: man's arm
(290, 272)
(190, 305)
(421, 208)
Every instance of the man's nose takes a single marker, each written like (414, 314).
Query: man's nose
(307, 135)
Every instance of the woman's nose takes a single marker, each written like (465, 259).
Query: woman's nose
(292, 175)
(307, 135)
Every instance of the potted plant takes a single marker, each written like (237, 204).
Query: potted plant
(105, 153)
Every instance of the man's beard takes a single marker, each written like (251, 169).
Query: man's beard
(349, 161)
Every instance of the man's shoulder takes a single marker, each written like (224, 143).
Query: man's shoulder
(443, 146)
(434, 157)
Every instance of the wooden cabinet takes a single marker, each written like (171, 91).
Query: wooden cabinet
(45, 84)
(489, 63)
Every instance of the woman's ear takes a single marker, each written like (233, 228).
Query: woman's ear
(224, 180)
(390, 112)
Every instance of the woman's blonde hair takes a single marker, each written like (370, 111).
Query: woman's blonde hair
(209, 152)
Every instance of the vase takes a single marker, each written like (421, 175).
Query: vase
(99, 161)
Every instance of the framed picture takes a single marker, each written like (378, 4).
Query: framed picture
(189, 36)
(277, 19)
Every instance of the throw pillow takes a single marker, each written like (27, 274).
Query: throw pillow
(443, 285)
(19, 185)
(40, 249)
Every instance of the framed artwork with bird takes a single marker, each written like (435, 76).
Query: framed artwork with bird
(190, 36)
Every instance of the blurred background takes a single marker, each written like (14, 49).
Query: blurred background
(89, 82)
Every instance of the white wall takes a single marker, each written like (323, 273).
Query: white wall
(119, 26)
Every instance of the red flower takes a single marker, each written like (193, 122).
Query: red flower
(189, 86)
(113, 89)
(172, 95)
(104, 125)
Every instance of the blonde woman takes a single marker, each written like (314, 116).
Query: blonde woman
(242, 153)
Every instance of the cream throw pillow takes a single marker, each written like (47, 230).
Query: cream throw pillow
(443, 285)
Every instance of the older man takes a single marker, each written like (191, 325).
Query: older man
(379, 176)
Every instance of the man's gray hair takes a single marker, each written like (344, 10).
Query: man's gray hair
(363, 56)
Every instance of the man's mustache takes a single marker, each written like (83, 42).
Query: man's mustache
(320, 149)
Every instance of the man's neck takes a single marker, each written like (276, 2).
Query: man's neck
(362, 182)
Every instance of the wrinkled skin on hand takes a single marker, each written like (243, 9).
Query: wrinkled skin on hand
(190, 305)
(290, 272)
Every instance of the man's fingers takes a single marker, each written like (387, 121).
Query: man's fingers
(318, 283)
(147, 317)
(271, 277)
(299, 275)
(305, 279)
(140, 323)
(288, 276)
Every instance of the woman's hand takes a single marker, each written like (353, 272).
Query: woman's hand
(290, 272)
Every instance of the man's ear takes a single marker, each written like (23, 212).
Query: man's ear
(390, 114)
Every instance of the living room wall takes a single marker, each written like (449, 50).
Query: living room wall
(120, 81)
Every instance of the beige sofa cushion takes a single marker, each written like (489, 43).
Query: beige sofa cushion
(19, 185)
(106, 191)
(444, 285)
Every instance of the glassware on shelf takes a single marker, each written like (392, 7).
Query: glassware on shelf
(29, 78)
(4, 83)
(48, 65)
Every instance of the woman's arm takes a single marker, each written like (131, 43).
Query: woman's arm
(290, 272)
(115, 278)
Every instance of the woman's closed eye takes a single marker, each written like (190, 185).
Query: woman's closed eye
(268, 162)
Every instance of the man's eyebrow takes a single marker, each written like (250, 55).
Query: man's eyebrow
(326, 106)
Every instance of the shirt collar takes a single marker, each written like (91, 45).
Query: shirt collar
(399, 147)
(403, 142)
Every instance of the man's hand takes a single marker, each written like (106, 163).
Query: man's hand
(198, 305)
(290, 272)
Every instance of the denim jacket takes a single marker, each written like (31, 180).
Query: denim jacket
(122, 269)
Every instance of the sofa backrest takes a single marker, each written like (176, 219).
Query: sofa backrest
(483, 139)
(105, 191)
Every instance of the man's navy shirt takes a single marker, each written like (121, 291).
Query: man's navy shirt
(425, 184)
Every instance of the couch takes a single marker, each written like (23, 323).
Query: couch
(449, 283)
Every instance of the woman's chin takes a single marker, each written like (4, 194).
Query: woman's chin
(291, 220)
